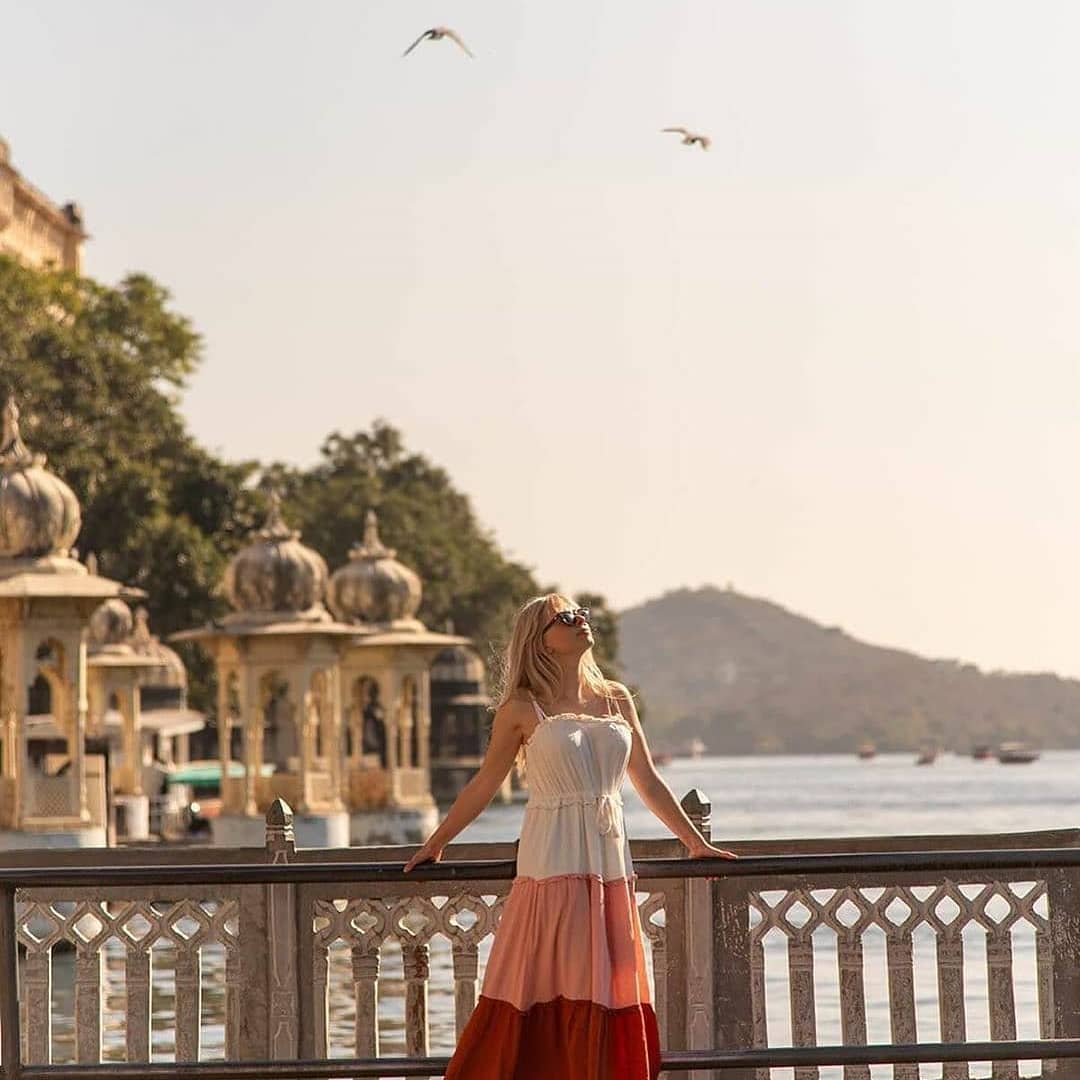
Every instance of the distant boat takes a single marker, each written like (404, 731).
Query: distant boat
(662, 757)
(1016, 753)
(866, 751)
(692, 748)
(695, 747)
(927, 756)
(982, 752)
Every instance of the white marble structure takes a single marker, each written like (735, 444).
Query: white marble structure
(386, 684)
(51, 792)
(278, 657)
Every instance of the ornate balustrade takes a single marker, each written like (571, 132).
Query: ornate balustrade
(775, 952)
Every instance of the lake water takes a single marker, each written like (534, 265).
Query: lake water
(773, 797)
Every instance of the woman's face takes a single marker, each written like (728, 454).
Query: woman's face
(565, 636)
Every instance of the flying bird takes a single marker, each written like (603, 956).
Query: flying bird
(437, 33)
(691, 137)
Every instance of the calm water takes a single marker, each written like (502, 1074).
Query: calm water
(775, 797)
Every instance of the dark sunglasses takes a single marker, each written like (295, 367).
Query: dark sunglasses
(568, 618)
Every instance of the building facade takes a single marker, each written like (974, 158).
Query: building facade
(33, 228)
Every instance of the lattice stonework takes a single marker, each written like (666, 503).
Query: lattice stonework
(946, 908)
(186, 925)
(365, 924)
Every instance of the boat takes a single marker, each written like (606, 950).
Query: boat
(662, 757)
(866, 751)
(927, 756)
(1016, 753)
(692, 748)
(982, 752)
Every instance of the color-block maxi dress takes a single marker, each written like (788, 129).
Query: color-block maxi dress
(565, 994)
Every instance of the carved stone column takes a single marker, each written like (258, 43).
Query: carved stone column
(423, 717)
(333, 717)
(251, 714)
(77, 701)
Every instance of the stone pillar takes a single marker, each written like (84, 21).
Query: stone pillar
(77, 700)
(405, 724)
(299, 703)
(423, 719)
(251, 716)
(131, 778)
(333, 716)
(224, 726)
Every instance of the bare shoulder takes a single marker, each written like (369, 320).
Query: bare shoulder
(515, 714)
(623, 698)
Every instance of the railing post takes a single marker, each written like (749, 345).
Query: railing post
(1063, 897)
(283, 975)
(699, 940)
(733, 1008)
(11, 1052)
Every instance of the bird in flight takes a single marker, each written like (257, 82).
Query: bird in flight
(436, 33)
(691, 137)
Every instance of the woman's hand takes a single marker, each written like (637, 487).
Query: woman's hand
(704, 850)
(427, 852)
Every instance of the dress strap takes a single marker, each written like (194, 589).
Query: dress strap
(613, 709)
(539, 712)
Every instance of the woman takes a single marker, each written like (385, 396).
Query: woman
(565, 994)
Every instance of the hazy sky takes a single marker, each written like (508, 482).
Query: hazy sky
(833, 360)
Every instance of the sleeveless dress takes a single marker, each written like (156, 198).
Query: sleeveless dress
(565, 994)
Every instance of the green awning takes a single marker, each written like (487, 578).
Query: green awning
(202, 773)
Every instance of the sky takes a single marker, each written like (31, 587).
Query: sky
(831, 361)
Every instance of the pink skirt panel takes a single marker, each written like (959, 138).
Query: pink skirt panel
(572, 936)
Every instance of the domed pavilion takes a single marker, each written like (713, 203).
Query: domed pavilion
(137, 696)
(386, 688)
(52, 793)
(278, 656)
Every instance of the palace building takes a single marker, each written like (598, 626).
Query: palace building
(33, 228)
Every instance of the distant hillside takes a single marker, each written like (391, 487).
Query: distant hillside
(745, 675)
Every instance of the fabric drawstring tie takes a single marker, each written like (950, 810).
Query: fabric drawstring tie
(608, 805)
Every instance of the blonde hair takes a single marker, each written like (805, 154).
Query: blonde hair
(528, 669)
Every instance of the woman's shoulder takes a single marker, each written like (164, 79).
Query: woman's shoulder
(516, 703)
(617, 690)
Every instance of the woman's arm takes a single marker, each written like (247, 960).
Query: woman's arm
(653, 788)
(507, 732)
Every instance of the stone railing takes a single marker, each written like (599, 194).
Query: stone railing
(743, 960)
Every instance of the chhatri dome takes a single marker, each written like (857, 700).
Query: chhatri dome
(39, 514)
(373, 587)
(111, 626)
(276, 576)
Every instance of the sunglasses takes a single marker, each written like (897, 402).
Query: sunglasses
(569, 618)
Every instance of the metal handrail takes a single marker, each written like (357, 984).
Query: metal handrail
(673, 1061)
(773, 866)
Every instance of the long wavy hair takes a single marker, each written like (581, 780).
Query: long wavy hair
(528, 668)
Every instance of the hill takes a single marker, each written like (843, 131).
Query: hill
(745, 675)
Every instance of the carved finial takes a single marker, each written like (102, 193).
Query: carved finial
(371, 547)
(92, 564)
(13, 451)
(274, 528)
(280, 834)
(698, 809)
(140, 635)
